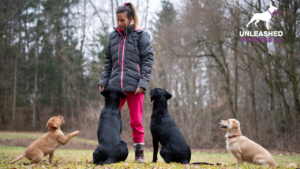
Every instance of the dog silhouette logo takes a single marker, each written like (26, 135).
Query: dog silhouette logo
(266, 16)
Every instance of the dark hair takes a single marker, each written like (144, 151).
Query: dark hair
(130, 12)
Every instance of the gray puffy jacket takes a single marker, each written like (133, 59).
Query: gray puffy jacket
(129, 59)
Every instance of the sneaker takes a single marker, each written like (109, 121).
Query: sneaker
(139, 152)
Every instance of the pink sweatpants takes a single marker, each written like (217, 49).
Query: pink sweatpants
(135, 105)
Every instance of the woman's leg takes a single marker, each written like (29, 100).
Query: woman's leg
(135, 105)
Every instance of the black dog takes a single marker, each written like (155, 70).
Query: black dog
(164, 130)
(110, 149)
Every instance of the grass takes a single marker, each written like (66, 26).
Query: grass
(83, 159)
(29, 135)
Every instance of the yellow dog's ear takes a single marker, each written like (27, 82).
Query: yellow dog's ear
(235, 124)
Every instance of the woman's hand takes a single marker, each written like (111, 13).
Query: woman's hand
(101, 88)
(139, 90)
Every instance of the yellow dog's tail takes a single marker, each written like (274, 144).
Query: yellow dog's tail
(18, 158)
(292, 165)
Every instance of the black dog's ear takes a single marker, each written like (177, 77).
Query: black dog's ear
(104, 92)
(167, 95)
(122, 94)
(152, 91)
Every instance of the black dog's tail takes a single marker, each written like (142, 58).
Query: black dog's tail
(202, 163)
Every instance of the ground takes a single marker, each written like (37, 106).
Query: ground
(69, 158)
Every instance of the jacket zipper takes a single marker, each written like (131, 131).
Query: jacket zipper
(123, 62)
(138, 69)
(122, 69)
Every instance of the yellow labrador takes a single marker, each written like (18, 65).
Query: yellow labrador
(48, 143)
(242, 148)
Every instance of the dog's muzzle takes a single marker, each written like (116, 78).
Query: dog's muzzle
(222, 126)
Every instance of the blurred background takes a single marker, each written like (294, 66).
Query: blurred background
(52, 57)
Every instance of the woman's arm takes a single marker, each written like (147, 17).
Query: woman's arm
(108, 65)
(147, 58)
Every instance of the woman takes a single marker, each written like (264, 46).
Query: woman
(128, 62)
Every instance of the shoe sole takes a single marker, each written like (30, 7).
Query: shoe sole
(140, 160)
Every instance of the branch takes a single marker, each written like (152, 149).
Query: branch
(69, 64)
(64, 59)
(177, 55)
(11, 16)
(106, 34)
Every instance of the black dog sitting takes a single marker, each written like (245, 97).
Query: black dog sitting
(110, 149)
(164, 130)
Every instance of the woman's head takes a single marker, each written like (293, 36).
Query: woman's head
(125, 14)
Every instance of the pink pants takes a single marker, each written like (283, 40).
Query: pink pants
(135, 105)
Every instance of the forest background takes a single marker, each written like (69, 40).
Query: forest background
(52, 57)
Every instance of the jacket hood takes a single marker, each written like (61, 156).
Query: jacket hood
(127, 30)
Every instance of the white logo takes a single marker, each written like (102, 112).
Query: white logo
(266, 16)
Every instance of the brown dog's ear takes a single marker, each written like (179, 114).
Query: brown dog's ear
(52, 123)
(235, 124)
(47, 125)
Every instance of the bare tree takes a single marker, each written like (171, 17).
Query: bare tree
(112, 12)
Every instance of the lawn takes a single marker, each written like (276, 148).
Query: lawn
(82, 158)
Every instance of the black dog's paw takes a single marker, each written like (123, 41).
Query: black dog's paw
(154, 161)
(99, 163)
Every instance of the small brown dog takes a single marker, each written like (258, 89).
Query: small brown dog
(242, 148)
(48, 143)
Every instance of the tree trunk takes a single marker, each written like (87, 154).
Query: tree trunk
(112, 13)
(35, 84)
(210, 103)
(146, 15)
(6, 94)
(117, 3)
(15, 88)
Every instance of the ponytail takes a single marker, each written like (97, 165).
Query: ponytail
(130, 12)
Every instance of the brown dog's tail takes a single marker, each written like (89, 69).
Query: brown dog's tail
(18, 158)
